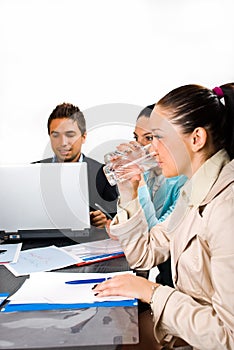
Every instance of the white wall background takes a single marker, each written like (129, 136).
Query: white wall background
(109, 57)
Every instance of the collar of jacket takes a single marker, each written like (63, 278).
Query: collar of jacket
(210, 179)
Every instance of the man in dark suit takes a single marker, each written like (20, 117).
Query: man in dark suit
(67, 130)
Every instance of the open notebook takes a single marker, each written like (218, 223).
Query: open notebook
(44, 200)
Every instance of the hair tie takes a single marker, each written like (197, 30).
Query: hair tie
(218, 92)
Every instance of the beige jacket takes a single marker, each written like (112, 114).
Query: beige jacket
(199, 235)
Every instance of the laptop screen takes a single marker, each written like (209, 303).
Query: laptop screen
(44, 196)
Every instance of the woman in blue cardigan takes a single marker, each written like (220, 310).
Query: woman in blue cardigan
(157, 194)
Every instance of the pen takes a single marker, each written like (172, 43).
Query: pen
(104, 211)
(102, 256)
(92, 280)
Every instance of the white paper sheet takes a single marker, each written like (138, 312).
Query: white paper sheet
(9, 252)
(95, 251)
(105, 246)
(41, 259)
(50, 287)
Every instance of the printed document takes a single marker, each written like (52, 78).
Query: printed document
(41, 259)
(9, 252)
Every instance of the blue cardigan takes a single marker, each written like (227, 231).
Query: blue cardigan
(158, 207)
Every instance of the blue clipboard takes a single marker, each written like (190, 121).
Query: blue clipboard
(46, 306)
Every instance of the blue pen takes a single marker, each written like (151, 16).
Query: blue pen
(92, 280)
(89, 258)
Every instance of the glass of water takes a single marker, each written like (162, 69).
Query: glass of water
(122, 165)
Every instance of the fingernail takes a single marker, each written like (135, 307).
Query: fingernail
(94, 286)
(95, 294)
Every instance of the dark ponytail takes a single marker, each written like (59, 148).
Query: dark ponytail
(193, 106)
(228, 95)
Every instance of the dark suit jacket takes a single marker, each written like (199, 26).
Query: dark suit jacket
(100, 191)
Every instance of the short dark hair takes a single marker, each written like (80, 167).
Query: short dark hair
(193, 106)
(67, 110)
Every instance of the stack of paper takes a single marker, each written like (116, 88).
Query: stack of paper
(95, 251)
(58, 290)
(52, 258)
(9, 252)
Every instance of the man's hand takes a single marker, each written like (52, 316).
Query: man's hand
(98, 219)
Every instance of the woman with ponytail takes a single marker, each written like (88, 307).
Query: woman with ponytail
(193, 135)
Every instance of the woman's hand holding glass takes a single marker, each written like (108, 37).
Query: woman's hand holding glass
(125, 167)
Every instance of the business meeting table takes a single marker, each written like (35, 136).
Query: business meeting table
(93, 328)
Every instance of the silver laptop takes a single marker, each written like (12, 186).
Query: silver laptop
(44, 197)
